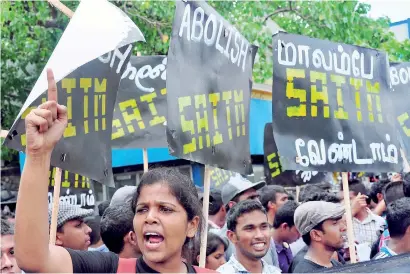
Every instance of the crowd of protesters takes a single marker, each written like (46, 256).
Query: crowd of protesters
(156, 226)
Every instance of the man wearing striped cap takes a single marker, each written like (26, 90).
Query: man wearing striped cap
(72, 232)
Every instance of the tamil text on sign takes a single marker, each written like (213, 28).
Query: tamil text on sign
(332, 109)
(273, 170)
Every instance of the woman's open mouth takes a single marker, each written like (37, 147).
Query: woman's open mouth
(153, 240)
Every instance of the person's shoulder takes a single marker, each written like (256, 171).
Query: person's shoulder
(93, 261)
(226, 268)
(304, 266)
(335, 262)
(267, 268)
(203, 270)
(381, 255)
(380, 220)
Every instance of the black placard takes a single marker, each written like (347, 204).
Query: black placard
(332, 109)
(140, 110)
(400, 80)
(273, 170)
(219, 177)
(75, 189)
(89, 93)
(209, 85)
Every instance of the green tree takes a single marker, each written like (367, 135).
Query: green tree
(30, 30)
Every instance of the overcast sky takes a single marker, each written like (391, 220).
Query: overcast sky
(397, 10)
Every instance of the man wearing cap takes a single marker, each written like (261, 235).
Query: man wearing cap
(237, 189)
(322, 228)
(72, 232)
(123, 195)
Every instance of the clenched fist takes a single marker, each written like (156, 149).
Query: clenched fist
(46, 124)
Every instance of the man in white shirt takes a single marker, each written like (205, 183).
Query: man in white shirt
(249, 231)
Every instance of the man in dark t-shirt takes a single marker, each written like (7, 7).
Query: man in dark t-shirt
(322, 228)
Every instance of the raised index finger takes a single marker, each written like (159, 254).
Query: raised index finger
(52, 86)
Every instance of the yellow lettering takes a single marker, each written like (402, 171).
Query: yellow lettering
(319, 95)
(120, 131)
(202, 123)
(214, 99)
(273, 166)
(156, 119)
(292, 93)
(85, 83)
(402, 119)
(69, 84)
(240, 112)
(227, 96)
(76, 180)
(357, 84)
(373, 91)
(339, 80)
(135, 115)
(187, 125)
(66, 182)
(100, 87)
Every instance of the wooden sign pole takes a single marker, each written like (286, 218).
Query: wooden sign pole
(349, 218)
(4, 133)
(297, 193)
(205, 209)
(145, 159)
(63, 8)
(56, 203)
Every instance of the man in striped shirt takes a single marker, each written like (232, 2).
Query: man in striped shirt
(398, 220)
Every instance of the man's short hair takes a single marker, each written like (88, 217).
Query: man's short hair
(285, 214)
(393, 191)
(311, 189)
(7, 228)
(406, 187)
(323, 196)
(268, 194)
(102, 207)
(94, 223)
(377, 188)
(115, 224)
(398, 217)
(215, 203)
(356, 186)
(240, 209)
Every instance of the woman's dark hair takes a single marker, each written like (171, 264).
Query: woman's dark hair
(213, 242)
(184, 191)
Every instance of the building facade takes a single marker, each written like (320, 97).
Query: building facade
(401, 29)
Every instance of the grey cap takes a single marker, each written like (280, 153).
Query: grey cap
(236, 185)
(310, 214)
(123, 195)
(67, 212)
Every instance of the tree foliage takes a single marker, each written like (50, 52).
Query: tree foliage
(30, 30)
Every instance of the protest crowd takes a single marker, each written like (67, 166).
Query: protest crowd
(165, 224)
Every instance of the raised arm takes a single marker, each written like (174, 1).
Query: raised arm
(44, 128)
